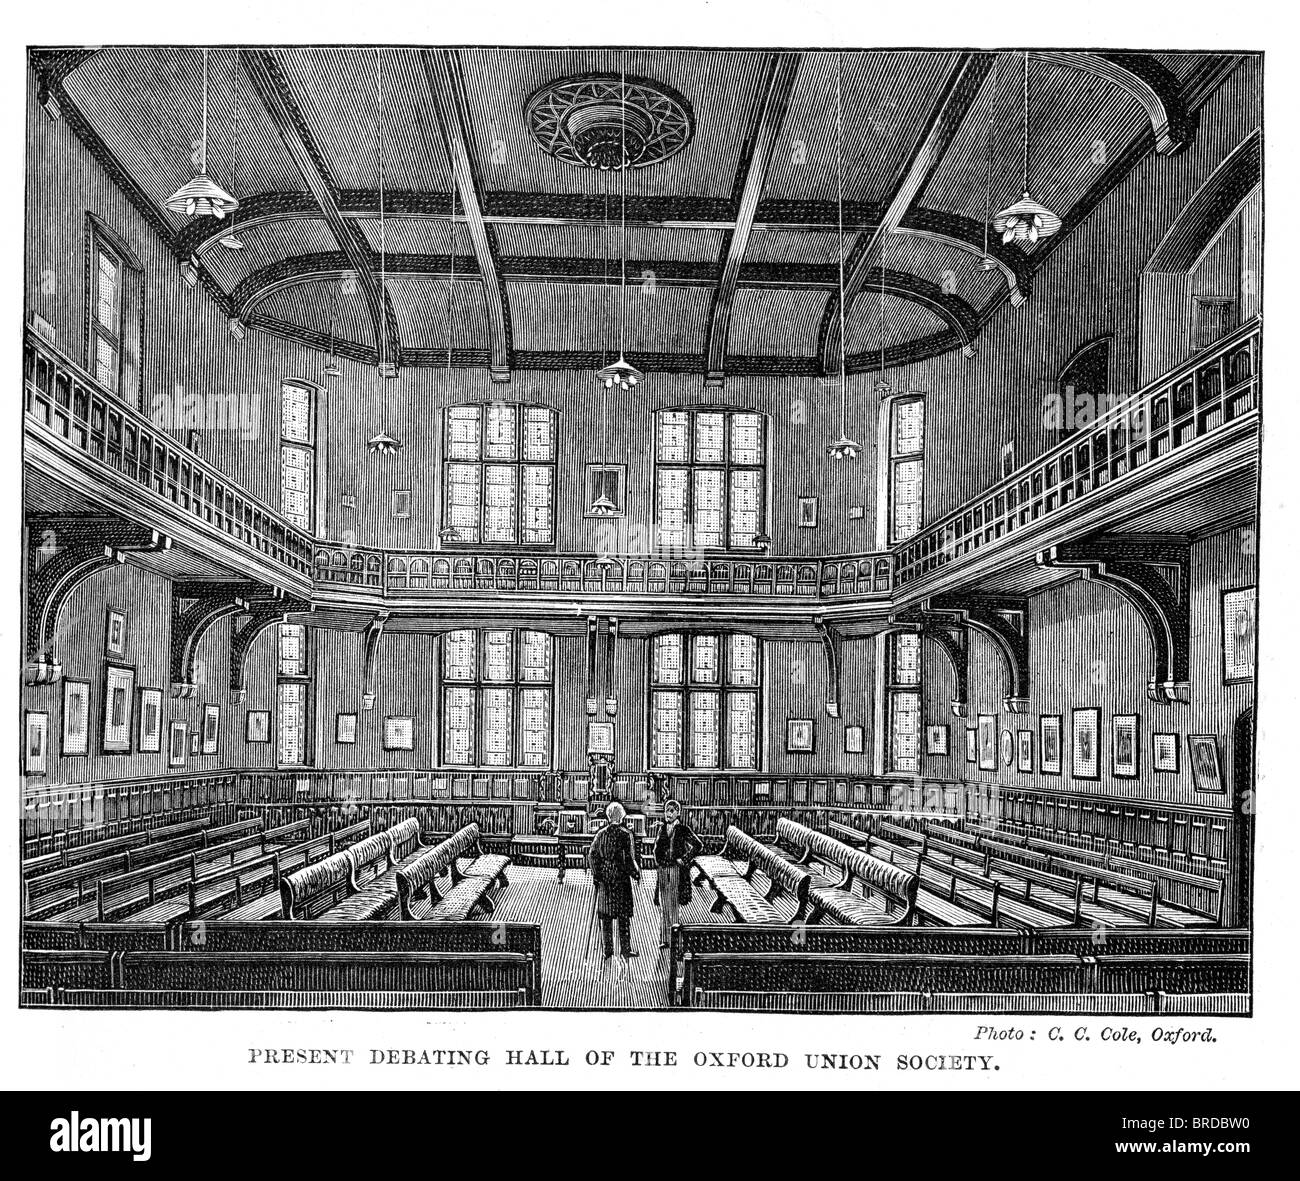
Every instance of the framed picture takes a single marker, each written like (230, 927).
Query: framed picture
(399, 733)
(1164, 752)
(799, 735)
(1084, 727)
(807, 512)
(853, 740)
(115, 633)
(1024, 750)
(177, 743)
(36, 743)
(76, 718)
(972, 744)
(1203, 750)
(936, 740)
(194, 742)
(1239, 635)
(605, 487)
(600, 738)
(211, 728)
(119, 696)
(150, 721)
(345, 729)
(257, 725)
(1124, 746)
(988, 743)
(1008, 748)
(1049, 744)
(400, 503)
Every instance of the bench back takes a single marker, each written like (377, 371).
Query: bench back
(328, 875)
(422, 873)
(894, 882)
(810, 841)
(462, 842)
(898, 832)
(230, 832)
(405, 838)
(342, 838)
(850, 836)
(375, 851)
(779, 871)
(288, 834)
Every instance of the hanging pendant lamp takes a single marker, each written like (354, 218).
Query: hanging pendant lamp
(383, 443)
(843, 447)
(203, 197)
(1026, 221)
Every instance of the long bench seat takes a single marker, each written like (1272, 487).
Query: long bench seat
(93, 850)
(890, 891)
(733, 887)
(418, 893)
(338, 886)
(270, 904)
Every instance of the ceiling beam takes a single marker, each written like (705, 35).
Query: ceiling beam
(273, 90)
(1144, 79)
(955, 101)
(751, 180)
(443, 69)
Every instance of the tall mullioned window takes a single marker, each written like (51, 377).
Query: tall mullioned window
(903, 698)
(499, 474)
(710, 478)
(293, 695)
(298, 454)
(906, 468)
(496, 698)
(705, 702)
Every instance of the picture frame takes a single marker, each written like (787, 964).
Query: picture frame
(1124, 746)
(600, 738)
(1025, 751)
(799, 735)
(399, 503)
(1239, 635)
(988, 742)
(1008, 748)
(1207, 772)
(177, 743)
(607, 481)
(399, 732)
(1164, 753)
(115, 631)
(195, 736)
(119, 701)
(853, 740)
(1049, 744)
(1085, 725)
(807, 512)
(972, 744)
(211, 728)
(257, 725)
(345, 729)
(75, 718)
(150, 732)
(936, 740)
(36, 742)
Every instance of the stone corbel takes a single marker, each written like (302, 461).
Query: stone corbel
(374, 633)
(1153, 572)
(196, 608)
(1005, 621)
(63, 552)
(948, 633)
(261, 615)
(831, 639)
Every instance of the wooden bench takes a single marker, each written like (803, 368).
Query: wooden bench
(356, 883)
(896, 886)
(94, 850)
(1160, 873)
(68, 969)
(312, 890)
(417, 884)
(1145, 895)
(733, 886)
(853, 837)
(270, 904)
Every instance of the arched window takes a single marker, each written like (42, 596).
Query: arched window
(705, 702)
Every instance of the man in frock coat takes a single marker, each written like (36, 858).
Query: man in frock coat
(614, 867)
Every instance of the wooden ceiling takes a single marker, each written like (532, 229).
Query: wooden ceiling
(496, 254)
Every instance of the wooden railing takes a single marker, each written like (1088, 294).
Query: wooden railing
(62, 400)
(1214, 389)
(415, 573)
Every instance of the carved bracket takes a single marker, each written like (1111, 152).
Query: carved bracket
(1153, 572)
(63, 552)
(374, 633)
(1004, 620)
(261, 615)
(947, 630)
(831, 640)
(196, 608)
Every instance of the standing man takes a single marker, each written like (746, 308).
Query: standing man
(614, 867)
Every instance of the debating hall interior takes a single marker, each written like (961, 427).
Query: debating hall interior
(784, 517)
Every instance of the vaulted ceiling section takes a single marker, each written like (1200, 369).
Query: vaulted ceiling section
(494, 252)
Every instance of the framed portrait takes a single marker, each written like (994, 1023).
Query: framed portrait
(1084, 726)
(36, 743)
(1049, 744)
(150, 721)
(257, 725)
(1024, 750)
(600, 738)
(400, 503)
(399, 733)
(1164, 752)
(119, 696)
(1239, 635)
(807, 512)
(799, 735)
(1124, 746)
(972, 744)
(195, 739)
(115, 633)
(345, 729)
(936, 740)
(1008, 748)
(988, 742)
(76, 718)
(1207, 774)
(177, 744)
(853, 740)
(211, 728)
(605, 495)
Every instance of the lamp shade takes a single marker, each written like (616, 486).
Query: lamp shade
(620, 373)
(1026, 221)
(384, 444)
(844, 448)
(202, 197)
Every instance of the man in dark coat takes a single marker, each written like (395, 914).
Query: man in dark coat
(614, 867)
